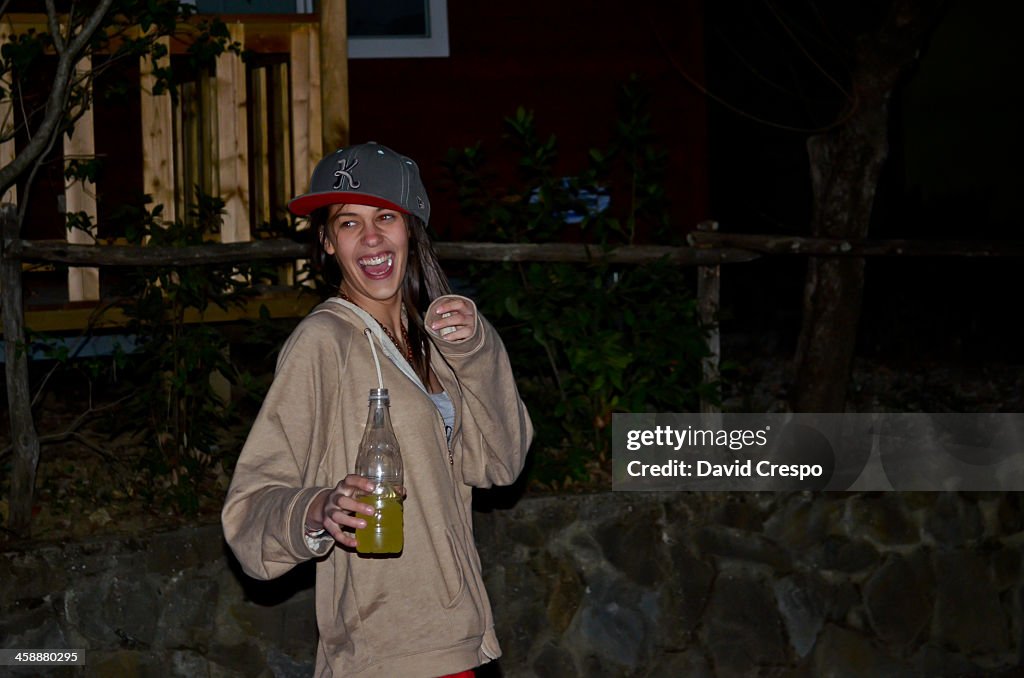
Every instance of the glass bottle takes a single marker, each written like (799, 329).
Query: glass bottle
(380, 460)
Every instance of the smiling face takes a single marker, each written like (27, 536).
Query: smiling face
(371, 246)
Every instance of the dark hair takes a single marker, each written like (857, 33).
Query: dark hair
(424, 279)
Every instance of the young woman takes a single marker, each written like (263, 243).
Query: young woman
(456, 413)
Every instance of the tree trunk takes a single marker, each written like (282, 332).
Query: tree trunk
(24, 439)
(845, 166)
(844, 173)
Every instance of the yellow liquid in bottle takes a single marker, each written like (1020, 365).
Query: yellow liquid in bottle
(383, 531)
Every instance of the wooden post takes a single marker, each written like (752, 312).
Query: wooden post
(260, 150)
(188, 146)
(334, 74)
(708, 298)
(232, 142)
(158, 178)
(280, 145)
(80, 196)
(279, 101)
(24, 439)
(206, 133)
(307, 141)
(232, 160)
(306, 117)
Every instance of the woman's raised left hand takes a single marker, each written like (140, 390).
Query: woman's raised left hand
(453, 319)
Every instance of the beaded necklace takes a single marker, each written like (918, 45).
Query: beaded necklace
(407, 352)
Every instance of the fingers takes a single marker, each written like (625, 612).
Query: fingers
(341, 514)
(453, 319)
(343, 533)
(355, 484)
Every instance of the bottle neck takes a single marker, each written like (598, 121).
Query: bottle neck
(379, 457)
(379, 416)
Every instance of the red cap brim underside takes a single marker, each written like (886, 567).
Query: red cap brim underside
(304, 204)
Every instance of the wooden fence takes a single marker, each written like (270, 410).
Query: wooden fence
(708, 249)
(250, 134)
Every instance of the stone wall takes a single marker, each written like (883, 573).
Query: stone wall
(738, 584)
(623, 584)
(171, 604)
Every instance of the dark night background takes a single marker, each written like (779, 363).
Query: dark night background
(953, 170)
(953, 174)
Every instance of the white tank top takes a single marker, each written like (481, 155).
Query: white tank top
(444, 405)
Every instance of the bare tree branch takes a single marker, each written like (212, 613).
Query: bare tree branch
(51, 18)
(82, 79)
(807, 54)
(72, 431)
(50, 143)
(56, 102)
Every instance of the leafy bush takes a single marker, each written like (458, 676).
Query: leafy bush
(175, 411)
(153, 432)
(586, 340)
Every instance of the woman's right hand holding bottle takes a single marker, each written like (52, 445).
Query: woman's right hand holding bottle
(338, 511)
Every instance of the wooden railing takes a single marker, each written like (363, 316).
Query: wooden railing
(708, 249)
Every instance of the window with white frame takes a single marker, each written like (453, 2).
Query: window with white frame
(376, 30)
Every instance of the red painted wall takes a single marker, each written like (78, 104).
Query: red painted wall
(565, 60)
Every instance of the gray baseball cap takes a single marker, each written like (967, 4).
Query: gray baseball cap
(365, 174)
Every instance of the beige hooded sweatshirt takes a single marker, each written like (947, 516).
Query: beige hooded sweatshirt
(425, 613)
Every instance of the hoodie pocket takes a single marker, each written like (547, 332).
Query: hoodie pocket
(455, 579)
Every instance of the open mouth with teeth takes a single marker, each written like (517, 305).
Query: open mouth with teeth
(377, 266)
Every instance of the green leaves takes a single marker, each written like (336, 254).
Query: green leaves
(83, 169)
(586, 340)
(589, 340)
(130, 29)
(22, 52)
(543, 207)
(175, 408)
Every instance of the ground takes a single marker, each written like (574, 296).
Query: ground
(763, 384)
(100, 487)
